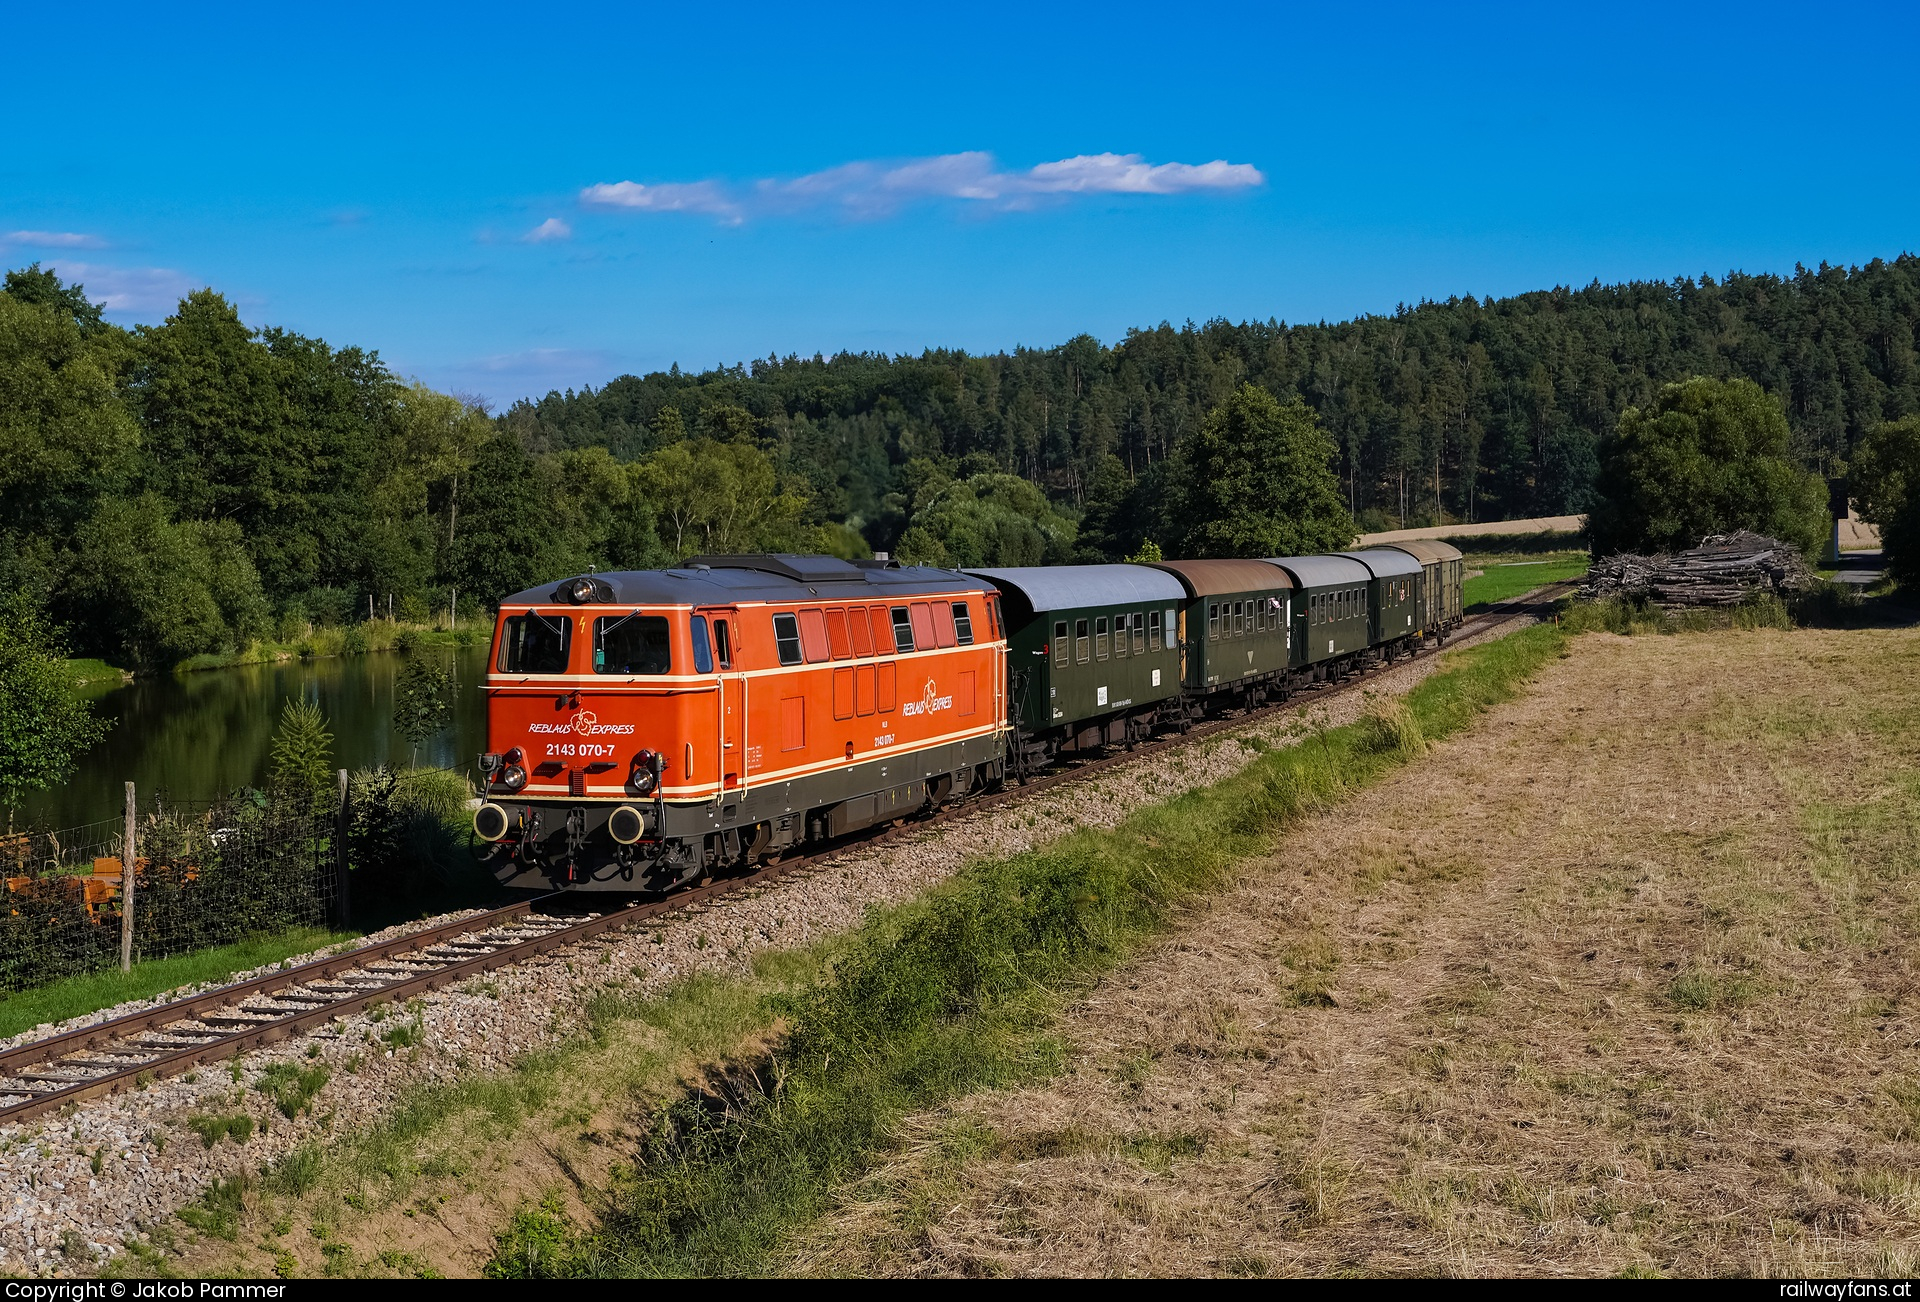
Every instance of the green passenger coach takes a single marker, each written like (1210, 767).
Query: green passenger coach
(1236, 634)
(1093, 654)
(1332, 615)
(1398, 600)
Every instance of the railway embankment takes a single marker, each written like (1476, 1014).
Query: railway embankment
(386, 1135)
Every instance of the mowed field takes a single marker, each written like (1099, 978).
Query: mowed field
(1622, 979)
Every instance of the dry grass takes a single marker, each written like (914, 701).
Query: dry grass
(1622, 980)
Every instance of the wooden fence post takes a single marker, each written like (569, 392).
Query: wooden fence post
(129, 852)
(343, 890)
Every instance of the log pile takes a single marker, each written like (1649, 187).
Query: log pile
(1724, 570)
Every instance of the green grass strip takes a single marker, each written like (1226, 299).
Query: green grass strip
(1503, 582)
(957, 992)
(75, 996)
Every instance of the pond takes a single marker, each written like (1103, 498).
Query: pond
(197, 736)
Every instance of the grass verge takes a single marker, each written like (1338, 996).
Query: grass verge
(354, 639)
(957, 992)
(76, 996)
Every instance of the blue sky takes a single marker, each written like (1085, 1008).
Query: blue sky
(504, 199)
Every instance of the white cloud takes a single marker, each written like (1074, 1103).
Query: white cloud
(696, 196)
(550, 229)
(53, 239)
(874, 189)
(126, 289)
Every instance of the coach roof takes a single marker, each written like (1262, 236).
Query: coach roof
(1322, 571)
(1386, 562)
(722, 580)
(1069, 587)
(1212, 578)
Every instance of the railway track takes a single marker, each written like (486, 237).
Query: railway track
(46, 1075)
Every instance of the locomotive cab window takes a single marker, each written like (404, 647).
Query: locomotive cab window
(1060, 648)
(723, 642)
(962, 623)
(631, 644)
(786, 639)
(702, 647)
(535, 644)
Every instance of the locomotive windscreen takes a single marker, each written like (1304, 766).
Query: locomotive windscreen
(631, 644)
(534, 644)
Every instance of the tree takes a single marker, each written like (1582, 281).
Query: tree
(65, 428)
(302, 762)
(147, 590)
(68, 302)
(1706, 456)
(45, 727)
(717, 498)
(987, 520)
(1882, 478)
(422, 700)
(1257, 480)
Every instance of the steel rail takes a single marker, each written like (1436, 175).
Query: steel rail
(263, 1027)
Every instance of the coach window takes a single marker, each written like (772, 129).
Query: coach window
(1082, 644)
(1139, 632)
(1153, 627)
(837, 636)
(786, 639)
(702, 646)
(630, 644)
(1120, 634)
(1060, 646)
(962, 623)
(1213, 619)
(1100, 638)
(534, 644)
(902, 629)
(1239, 618)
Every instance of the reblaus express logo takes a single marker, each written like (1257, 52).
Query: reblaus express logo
(930, 700)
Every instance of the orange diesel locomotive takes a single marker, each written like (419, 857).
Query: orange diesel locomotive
(650, 727)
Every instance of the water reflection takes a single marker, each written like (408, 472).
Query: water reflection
(196, 736)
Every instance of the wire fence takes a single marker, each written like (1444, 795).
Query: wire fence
(204, 874)
(209, 873)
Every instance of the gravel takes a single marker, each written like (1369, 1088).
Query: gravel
(76, 1187)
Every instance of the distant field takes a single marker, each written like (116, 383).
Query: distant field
(1501, 579)
(1618, 983)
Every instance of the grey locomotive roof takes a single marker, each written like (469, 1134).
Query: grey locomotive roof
(1386, 561)
(1322, 571)
(1065, 587)
(717, 580)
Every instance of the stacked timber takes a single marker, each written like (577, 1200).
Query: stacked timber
(1724, 570)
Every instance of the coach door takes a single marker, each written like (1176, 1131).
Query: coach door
(736, 757)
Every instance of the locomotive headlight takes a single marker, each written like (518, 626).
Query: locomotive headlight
(580, 591)
(490, 822)
(513, 777)
(646, 771)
